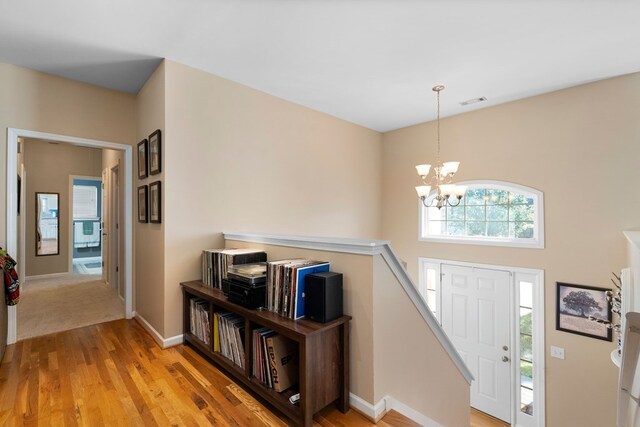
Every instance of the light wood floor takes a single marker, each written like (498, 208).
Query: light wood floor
(480, 419)
(115, 374)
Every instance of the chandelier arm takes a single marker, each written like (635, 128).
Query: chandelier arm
(451, 204)
(424, 202)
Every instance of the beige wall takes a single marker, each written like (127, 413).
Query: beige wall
(48, 169)
(149, 241)
(410, 364)
(238, 159)
(40, 102)
(580, 147)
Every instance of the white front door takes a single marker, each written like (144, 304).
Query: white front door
(475, 315)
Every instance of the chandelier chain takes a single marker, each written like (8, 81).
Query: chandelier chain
(438, 124)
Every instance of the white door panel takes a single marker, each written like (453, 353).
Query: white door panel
(475, 314)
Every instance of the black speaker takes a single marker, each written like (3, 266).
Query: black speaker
(323, 296)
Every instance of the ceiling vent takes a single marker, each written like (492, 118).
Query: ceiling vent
(473, 101)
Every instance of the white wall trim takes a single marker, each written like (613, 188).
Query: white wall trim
(332, 244)
(366, 247)
(162, 342)
(11, 214)
(372, 412)
(44, 276)
(375, 412)
(412, 414)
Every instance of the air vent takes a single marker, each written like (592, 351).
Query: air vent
(473, 101)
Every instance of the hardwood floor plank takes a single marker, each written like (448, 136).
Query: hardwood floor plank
(480, 419)
(8, 378)
(115, 374)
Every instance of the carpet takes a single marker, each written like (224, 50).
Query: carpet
(63, 303)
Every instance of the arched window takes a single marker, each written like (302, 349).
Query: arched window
(490, 213)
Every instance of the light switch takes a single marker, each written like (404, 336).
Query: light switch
(557, 352)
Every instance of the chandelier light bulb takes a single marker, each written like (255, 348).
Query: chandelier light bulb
(423, 190)
(423, 170)
(447, 189)
(460, 190)
(450, 167)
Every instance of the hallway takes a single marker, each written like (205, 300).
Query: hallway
(66, 302)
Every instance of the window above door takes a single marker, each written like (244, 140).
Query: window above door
(490, 213)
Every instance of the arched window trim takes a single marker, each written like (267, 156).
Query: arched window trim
(538, 222)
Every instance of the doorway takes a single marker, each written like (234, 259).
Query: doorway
(12, 197)
(494, 316)
(86, 225)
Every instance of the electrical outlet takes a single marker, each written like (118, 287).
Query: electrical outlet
(557, 352)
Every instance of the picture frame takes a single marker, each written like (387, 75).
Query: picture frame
(142, 204)
(142, 159)
(155, 202)
(574, 305)
(155, 152)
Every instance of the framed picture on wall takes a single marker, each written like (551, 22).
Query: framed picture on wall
(155, 205)
(142, 204)
(578, 306)
(155, 153)
(142, 159)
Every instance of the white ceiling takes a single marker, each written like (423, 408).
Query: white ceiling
(371, 62)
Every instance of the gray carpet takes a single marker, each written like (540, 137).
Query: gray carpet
(63, 303)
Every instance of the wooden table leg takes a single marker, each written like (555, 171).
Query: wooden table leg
(343, 400)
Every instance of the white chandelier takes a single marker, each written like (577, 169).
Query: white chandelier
(443, 173)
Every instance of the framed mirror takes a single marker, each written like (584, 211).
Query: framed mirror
(47, 224)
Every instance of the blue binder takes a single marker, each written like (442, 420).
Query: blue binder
(300, 280)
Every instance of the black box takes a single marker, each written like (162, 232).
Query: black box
(250, 295)
(323, 296)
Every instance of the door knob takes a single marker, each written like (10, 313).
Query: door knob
(505, 359)
(505, 348)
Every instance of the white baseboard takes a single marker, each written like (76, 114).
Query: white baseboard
(386, 404)
(162, 342)
(46, 276)
(423, 420)
(373, 412)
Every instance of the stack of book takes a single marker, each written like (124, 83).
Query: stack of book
(215, 263)
(286, 283)
(275, 359)
(228, 336)
(199, 310)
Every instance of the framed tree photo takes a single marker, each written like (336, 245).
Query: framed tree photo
(155, 205)
(576, 303)
(142, 204)
(142, 159)
(155, 153)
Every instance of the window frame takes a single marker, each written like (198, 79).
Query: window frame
(536, 242)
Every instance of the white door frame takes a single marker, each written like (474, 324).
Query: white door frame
(71, 178)
(114, 228)
(536, 277)
(11, 213)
